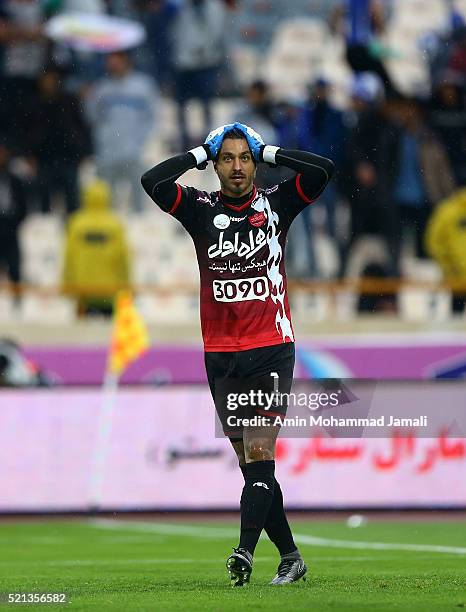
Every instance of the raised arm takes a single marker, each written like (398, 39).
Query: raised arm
(160, 181)
(314, 171)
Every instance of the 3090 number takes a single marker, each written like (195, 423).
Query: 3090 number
(241, 290)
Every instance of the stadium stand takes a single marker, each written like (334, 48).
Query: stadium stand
(288, 46)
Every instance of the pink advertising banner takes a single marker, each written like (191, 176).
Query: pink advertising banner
(163, 454)
(388, 356)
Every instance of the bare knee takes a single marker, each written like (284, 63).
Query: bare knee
(259, 449)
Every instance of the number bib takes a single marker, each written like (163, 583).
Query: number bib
(241, 289)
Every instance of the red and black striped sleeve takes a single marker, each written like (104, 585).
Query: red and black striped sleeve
(160, 181)
(313, 172)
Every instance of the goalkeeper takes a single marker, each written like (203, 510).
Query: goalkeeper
(239, 234)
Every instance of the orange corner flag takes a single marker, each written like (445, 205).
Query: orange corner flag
(130, 338)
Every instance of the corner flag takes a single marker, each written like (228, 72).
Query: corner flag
(129, 339)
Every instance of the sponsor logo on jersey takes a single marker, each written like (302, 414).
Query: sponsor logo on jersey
(222, 221)
(238, 218)
(204, 199)
(257, 219)
(224, 248)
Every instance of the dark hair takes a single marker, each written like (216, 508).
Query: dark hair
(235, 134)
(260, 85)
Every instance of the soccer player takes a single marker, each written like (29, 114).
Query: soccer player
(239, 235)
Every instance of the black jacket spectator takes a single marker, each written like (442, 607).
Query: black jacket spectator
(12, 212)
(60, 139)
(371, 169)
(448, 119)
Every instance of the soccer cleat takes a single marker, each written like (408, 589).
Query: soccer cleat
(239, 566)
(290, 570)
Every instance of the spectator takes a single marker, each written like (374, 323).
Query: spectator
(81, 66)
(456, 66)
(199, 32)
(121, 108)
(441, 45)
(12, 213)
(371, 149)
(363, 53)
(60, 139)
(448, 120)
(22, 56)
(96, 253)
(258, 110)
(300, 250)
(446, 241)
(158, 17)
(322, 131)
(422, 176)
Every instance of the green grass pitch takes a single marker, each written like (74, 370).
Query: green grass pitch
(113, 565)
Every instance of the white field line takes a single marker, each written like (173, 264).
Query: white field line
(307, 540)
(313, 541)
(90, 562)
(162, 561)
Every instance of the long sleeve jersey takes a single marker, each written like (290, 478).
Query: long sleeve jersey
(240, 245)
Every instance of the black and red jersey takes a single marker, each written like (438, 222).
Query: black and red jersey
(240, 247)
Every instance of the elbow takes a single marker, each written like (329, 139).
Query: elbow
(147, 183)
(329, 167)
(144, 180)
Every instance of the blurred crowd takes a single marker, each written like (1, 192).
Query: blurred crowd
(401, 161)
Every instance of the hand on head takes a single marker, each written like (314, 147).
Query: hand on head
(215, 139)
(254, 139)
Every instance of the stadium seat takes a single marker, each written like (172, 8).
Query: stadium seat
(246, 62)
(327, 257)
(42, 242)
(168, 308)
(461, 6)
(420, 14)
(47, 309)
(295, 57)
(367, 249)
(316, 305)
(7, 310)
(422, 305)
(300, 34)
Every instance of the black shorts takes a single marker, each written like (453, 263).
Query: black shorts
(257, 373)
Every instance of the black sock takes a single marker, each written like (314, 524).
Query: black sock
(257, 496)
(276, 525)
